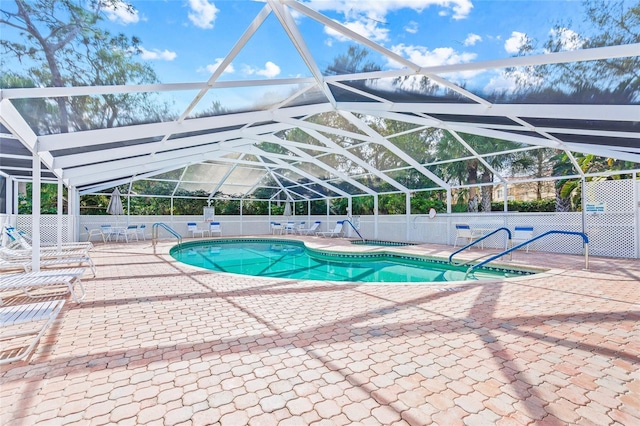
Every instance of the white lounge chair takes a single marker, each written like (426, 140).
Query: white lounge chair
(30, 281)
(49, 258)
(25, 265)
(311, 230)
(42, 313)
(337, 231)
(23, 241)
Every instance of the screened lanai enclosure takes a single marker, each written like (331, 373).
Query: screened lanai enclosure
(331, 107)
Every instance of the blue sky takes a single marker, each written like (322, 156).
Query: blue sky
(184, 39)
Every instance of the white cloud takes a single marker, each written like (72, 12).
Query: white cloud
(211, 68)
(366, 28)
(270, 70)
(567, 39)
(513, 43)
(156, 54)
(379, 9)
(366, 18)
(411, 27)
(472, 39)
(202, 14)
(424, 57)
(121, 14)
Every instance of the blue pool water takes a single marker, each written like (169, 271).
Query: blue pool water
(292, 260)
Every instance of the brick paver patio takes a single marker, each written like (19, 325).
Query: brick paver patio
(161, 343)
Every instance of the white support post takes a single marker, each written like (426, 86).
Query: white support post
(35, 213)
(59, 212)
(636, 204)
(73, 213)
(375, 216)
(14, 202)
(9, 187)
(506, 197)
(407, 201)
(583, 187)
(349, 214)
(328, 225)
(449, 199)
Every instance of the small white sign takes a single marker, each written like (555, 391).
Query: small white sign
(596, 207)
(209, 214)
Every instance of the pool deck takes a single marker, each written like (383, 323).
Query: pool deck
(162, 343)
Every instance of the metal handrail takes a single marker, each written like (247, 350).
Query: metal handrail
(484, 237)
(154, 232)
(354, 228)
(471, 261)
(585, 240)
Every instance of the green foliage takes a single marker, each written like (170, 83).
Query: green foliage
(422, 202)
(255, 207)
(61, 44)
(48, 199)
(318, 207)
(546, 205)
(392, 204)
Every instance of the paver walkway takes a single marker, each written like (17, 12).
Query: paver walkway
(160, 343)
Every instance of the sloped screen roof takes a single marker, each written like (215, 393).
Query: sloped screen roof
(337, 98)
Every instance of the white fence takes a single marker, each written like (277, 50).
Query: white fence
(612, 228)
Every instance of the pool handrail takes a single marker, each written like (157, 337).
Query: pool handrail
(585, 240)
(484, 237)
(154, 232)
(354, 228)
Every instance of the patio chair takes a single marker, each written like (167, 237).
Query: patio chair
(42, 313)
(215, 228)
(93, 232)
(289, 227)
(192, 227)
(276, 228)
(299, 227)
(130, 231)
(43, 280)
(141, 232)
(337, 231)
(465, 232)
(520, 235)
(311, 230)
(109, 231)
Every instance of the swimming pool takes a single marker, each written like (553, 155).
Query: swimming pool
(293, 260)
